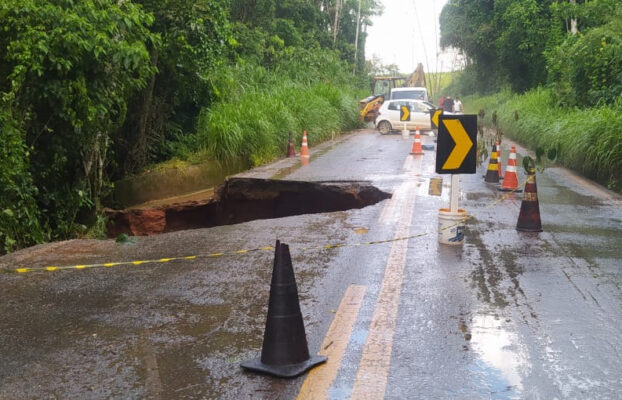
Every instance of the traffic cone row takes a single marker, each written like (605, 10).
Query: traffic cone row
(529, 216)
(417, 150)
(304, 148)
(492, 174)
(291, 151)
(510, 181)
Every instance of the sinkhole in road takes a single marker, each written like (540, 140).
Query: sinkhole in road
(246, 199)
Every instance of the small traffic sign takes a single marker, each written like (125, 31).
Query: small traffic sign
(457, 144)
(436, 187)
(404, 113)
(434, 114)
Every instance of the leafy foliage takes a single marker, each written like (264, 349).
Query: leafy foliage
(253, 122)
(92, 90)
(19, 215)
(66, 71)
(587, 69)
(587, 140)
(526, 43)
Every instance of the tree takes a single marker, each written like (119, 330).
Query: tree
(66, 71)
(193, 38)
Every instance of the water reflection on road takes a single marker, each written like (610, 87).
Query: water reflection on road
(499, 360)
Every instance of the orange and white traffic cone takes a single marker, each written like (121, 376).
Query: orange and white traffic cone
(492, 175)
(291, 151)
(417, 150)
(499, 163)
(304, 148)
(529, 217)
(510, 181)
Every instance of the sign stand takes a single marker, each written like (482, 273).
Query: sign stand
(405, 116)
(455, 154)
(455, 191)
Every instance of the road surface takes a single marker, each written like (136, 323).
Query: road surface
(507, 315)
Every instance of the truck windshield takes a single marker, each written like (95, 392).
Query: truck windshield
(408, 94)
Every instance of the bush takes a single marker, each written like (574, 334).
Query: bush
(587, 70)
(256, 127)
(589, 140)
(308, 89)
(19, 215)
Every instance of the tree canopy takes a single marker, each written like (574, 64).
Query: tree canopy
(527, 43)
(94, 90)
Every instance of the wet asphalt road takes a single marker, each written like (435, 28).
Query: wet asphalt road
(508, 315)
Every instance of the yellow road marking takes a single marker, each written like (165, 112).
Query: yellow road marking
(319, 380)
(373, 371)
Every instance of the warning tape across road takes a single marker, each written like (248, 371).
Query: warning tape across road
(53, 268)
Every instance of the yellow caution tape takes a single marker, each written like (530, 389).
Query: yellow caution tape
(52, 268)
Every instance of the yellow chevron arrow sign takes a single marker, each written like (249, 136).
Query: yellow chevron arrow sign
(435, 117)
(463, 144)
(404, 113)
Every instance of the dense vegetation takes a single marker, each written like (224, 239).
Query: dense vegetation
(556, 65)
(93, 90)
(526, 44)
(588, 140)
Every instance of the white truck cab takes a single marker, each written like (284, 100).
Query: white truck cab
(414, 93)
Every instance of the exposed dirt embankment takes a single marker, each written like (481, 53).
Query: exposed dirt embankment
(245, 199)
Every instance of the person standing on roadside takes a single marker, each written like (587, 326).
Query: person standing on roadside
(440, 102)
(457, 105)
(448, 104)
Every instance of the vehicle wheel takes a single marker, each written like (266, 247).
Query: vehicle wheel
(384, 127)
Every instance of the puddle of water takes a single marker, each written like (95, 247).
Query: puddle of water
(498, 363)
(557, 194)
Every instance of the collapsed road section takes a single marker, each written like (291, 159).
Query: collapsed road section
(245, 199)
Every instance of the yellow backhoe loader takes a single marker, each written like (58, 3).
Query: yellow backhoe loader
(368, 107)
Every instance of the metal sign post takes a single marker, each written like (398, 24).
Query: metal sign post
(455, 191)
(456, 154)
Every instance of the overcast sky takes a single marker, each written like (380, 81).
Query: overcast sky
(406, 33)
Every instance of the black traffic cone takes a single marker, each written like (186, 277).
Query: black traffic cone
(492, 175)
(529, 217)
(291, 151)
(284, 352)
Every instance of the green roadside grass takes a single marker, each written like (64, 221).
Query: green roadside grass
(255, 127)
(589, 140)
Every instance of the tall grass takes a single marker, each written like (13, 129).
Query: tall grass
(257, 107)
(589, 139)
(255, 128)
